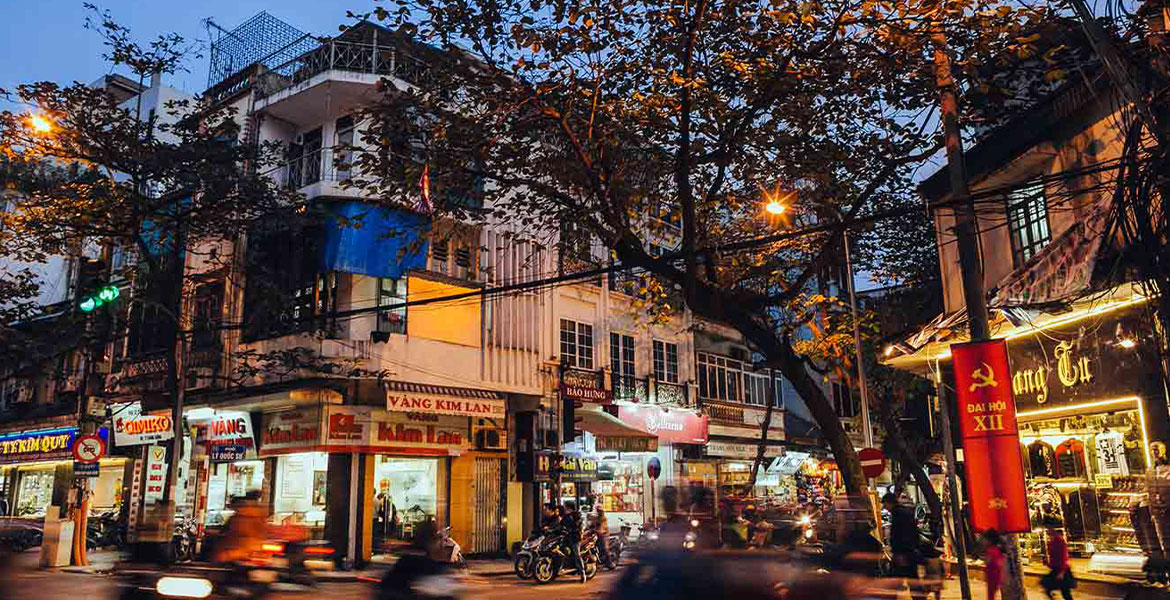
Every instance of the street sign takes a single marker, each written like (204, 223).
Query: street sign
(227, 452)
(873, 462)
(86, 469)
(653, 467)
(88, 448)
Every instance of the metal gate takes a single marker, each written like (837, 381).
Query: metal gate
(488, 534)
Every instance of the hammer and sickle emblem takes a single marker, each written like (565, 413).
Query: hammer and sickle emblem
(997, 503)
(983, 377)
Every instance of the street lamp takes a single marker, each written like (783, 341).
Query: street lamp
(775, 202)
(39, 123)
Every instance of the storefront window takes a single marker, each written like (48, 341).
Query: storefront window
(406, 497)
(34, 492)
(623, 491)
(229, 482)
(1084, 471)
(107, 488)
(299, 497)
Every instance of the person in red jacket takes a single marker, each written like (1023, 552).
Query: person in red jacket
(993, 556)
(1060, 576)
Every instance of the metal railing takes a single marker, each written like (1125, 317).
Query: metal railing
(631, 389)
(323, 164)
(342, 56)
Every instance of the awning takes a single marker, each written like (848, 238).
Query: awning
(613, 435)
(442, 390)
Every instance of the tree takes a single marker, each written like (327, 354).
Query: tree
(84, 170)
(624, 119)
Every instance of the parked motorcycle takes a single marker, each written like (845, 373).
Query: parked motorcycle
(555, 555)
(525, 557)
(448, 550)
(616, 545)
(105, 530)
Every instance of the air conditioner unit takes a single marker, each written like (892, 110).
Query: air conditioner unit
(491, 439)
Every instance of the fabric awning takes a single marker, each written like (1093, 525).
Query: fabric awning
(613, 434)
(442, 390)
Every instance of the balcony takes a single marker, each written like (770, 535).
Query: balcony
(670, 393)
(630, 389)
(293, 90)
(322, 172)
(724, 413)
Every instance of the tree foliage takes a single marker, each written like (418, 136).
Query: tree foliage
(647, 123)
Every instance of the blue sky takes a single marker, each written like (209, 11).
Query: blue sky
(46, 40)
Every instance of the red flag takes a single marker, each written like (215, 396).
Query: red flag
(424, 184)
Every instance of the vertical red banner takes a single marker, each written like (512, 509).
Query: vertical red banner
(991, 444)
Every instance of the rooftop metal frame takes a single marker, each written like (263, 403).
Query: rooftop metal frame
(262, 39)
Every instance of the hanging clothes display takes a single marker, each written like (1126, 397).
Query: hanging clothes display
(1110, 448)
(1042, 459)
(1070, 458)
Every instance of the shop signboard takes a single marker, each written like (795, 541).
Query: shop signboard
(991, 445)
(156, 474)
(616, 443)
(230, 426)
(586, 394)
(1084, 362)
(132, 427)
(29, 446)
(490, 408)
(571, 467)
(227, 452)
(365, 429)
(297, 430)
(671, 426)
(741, 450)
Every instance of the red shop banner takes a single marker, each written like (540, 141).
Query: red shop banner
(674, 426)
(991, 444)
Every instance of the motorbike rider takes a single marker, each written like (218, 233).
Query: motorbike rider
(571, 523)
(245, 531)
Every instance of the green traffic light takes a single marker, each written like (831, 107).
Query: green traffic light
(109, 293)
(88, 305)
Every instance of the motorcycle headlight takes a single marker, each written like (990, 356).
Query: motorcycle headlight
(805, 519)
(694, 522)
(808, 533)
(183, 587)
(690, 537)
(653, 536)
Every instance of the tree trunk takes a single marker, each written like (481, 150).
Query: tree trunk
(767, 425)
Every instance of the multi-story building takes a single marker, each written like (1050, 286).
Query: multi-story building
(1090, 402)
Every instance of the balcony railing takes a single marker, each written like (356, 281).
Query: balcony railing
(630, 389)
(323, 164)
(354, 57)
(671, 393)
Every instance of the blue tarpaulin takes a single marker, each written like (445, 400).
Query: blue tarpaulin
(375, 241)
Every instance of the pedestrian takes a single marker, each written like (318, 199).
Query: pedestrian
(3, 504)
(1060, 576)
(572, 529)
(903, 537)
(993, 556)
(601, 528)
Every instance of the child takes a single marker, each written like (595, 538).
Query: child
(994, 557)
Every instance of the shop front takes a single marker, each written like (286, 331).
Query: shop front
(1083, 395)
(566, 478)
(733, 461)
(35, 463)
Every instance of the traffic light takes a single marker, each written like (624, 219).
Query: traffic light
(92, 288)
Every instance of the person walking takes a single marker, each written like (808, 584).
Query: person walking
(904, 536)
(994, 558)
(1060, 576)
(600, 526)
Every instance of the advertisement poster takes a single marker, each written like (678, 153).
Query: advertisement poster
(991, 445)
(156, 474)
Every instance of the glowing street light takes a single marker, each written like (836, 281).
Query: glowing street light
(40, 124)
(774, 202)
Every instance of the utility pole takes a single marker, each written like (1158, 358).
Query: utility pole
(866, 428)
(973, 292)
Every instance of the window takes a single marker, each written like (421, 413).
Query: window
(665, 361)
(1028, 221)
(576, 344)
(621, 356)
(843, 401)
(720, 378)
(207, 315)
(392, 292)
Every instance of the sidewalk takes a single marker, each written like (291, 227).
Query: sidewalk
(478, 567)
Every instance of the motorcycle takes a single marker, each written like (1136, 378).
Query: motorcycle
(616, 545)
(554, 556)
(525, 557)
(105, 530)
(237, 581)
(448, 550)
(184, 540)
(417, 576)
